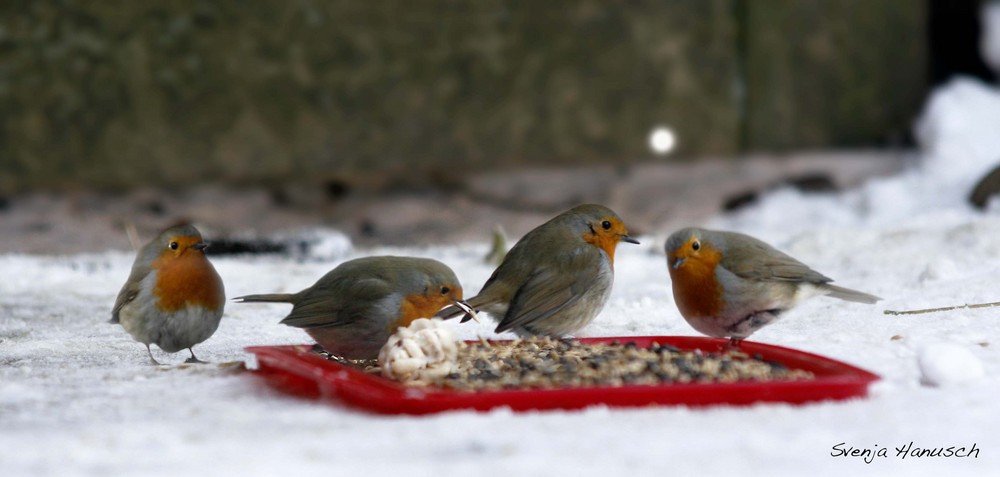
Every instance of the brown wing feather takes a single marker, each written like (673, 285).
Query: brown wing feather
(549, 290)
(338, 302)
(129, 291)
(755, 260)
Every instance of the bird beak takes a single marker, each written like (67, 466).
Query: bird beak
(470, 313)
(200, 246)
(626, 238)
(678, 262)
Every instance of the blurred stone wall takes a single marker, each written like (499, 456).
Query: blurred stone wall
(833, 73)
(122, 93)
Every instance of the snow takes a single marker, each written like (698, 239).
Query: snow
(947, 364)
(77, 396)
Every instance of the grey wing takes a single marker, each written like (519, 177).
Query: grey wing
(761, 262)
(551, 289)
(338, 303)
(125, 296)
(128, 292)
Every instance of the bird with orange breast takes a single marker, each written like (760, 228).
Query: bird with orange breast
(729, 285)
(173, 297)
(557, 278)
(353, 310)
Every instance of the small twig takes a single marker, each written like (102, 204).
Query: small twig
(946, 308)
(498, 248)
(133, 236)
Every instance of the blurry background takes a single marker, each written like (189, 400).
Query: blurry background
(403, 122)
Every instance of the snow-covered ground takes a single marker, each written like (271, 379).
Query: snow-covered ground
(78, 397)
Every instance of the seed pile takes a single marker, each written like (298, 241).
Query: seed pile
(546, 363)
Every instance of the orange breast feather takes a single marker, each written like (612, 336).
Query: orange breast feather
(187, 280)
(605, 242)
(418, 306)
(696, 290)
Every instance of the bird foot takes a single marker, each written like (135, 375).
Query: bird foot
(153, 360)
(194, 359)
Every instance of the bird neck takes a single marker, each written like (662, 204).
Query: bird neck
(606, 242)
(418, 305)
(185, 280)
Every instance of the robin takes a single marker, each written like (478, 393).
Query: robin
(352, 310)
(174, 297)
(728, 284)
(557, 278)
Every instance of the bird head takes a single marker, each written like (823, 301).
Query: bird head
(691, 246)
(429, 286)
(173, 243)
(601, 227)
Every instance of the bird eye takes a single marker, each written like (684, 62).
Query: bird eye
(445, 290)
(696, 245)
(173, 245)
(606, 225)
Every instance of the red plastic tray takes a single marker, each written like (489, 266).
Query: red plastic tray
(300, 371)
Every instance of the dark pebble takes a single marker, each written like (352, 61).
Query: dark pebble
(682, 364)
(482, 365)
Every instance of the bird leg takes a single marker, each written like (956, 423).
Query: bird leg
(193, 358)
(739, 330)
(151, 358)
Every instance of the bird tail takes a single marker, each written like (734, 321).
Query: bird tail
(268, 298)
(850, 295)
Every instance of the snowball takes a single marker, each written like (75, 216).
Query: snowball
(940, 269)
(424, 350)
(957, 132)
(943, 364)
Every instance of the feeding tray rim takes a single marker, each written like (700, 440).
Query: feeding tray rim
(298, 370)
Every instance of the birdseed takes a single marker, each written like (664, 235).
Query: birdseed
(550, 363)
